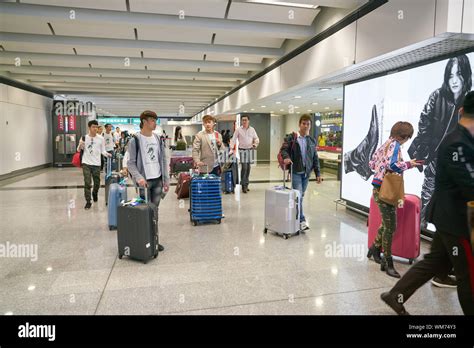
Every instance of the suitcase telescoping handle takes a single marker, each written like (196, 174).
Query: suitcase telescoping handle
(284, 175)
(109, 167)
(207, 168)
(146, 192)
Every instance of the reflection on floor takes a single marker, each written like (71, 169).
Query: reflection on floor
(230, 268)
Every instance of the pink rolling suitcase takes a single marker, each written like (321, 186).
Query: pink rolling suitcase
(406, 239)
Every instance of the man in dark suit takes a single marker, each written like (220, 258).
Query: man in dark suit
(452, 243)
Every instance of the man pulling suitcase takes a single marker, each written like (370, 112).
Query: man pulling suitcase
(148, 164)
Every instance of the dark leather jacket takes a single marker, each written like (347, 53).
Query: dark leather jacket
(454, 185)
(291, 149)
(438, 118)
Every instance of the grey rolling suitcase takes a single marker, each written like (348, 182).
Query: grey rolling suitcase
(282, 210)
(110, 178)
(137, 231)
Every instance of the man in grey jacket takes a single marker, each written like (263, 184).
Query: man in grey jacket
(148, 164)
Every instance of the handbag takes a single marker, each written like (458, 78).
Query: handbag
(76, 160)
(392, 190)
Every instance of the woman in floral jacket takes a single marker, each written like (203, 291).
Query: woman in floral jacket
(388, 158)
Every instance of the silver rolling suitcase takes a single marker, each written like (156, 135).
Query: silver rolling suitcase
(282, 210)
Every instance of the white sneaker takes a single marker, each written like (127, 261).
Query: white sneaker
(304, 226)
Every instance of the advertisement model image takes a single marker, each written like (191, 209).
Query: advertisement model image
(428, 97)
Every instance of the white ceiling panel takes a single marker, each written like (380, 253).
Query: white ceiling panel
(164, 54)
(162, 33)
(117, 5)
(197, 8)
(230, 69)
(230, 38)
(30, 25)
(43, 48)
(132, 53)
(227, 57)
(77, 28)
(272, 14)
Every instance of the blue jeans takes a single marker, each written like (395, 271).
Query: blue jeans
(299, 181)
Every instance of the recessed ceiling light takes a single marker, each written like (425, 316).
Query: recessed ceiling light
(252, 109)
(49, 269)
(282, 109)
(325, 89)
(339, 99)
(245, 111)
(298, 112)
(314, 103)
(297, 107)
(264, 106)
(9, 313)
(272, 111)
(278, 102)
(327, 108)
(310, 110)
(297, 97)
(31, 287)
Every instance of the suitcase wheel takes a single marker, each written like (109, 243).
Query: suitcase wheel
(194, 223)
(155, 256)
(265, 231)
(410, 261)
(285, 236)
(219, 221)
(120, 256)
(145, 262)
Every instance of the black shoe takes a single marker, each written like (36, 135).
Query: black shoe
(392, 303)
(88, 205)
(161, 247)
(387, 266)
(375, 252)
(446, 282)
(358, 159)
(244, 189)
(94, 197)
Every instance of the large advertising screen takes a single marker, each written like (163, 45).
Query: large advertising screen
(429, 97)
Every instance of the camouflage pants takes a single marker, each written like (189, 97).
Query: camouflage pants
(90, 173)
(388, 227)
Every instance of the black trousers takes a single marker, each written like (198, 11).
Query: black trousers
(446, 251)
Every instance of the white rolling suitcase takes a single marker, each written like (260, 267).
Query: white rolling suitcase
(282, 210)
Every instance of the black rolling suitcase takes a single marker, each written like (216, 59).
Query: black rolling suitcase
(137, 230)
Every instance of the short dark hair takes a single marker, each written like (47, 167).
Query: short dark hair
(107, 124)
(92, 123)
(147, 114)
(305, 117)
(402, 130)
(248, 117)
(208, 117)
(468, 105)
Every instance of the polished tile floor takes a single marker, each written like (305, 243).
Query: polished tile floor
(232, 268)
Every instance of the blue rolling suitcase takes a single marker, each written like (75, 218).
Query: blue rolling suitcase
(205, 199)
(117, 194)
